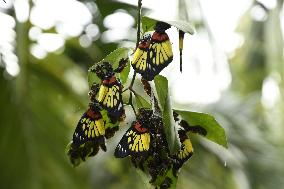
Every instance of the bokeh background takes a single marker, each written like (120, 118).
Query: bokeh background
(233, 69)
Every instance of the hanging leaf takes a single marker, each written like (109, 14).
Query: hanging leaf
(142, 102)
(124, 74)
(114, 58)
(148, 24)
(214, 130)
(161, 84)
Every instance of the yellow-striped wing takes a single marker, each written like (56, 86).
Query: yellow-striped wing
(135, 142)
(186, 150)
(160, 50)
(110, 96)
(152, 55)
(140, 62)
(89, 128)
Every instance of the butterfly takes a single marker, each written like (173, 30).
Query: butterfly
(153, 53)
(110, 96)
(88, 137)
(90, 127)
(135, 142)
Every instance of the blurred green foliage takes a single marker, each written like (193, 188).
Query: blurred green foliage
(40, 109)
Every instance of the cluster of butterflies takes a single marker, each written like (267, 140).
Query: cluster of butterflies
(144, 141)
(102, 118)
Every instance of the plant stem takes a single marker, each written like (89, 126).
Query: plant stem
(137, 43)
(138, 35)
(139, 22)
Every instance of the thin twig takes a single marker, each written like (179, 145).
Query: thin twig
(133, 91)
(137, 43)
(132, 81)
(138, 35)
(139, 22)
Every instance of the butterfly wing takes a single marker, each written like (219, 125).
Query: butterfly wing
(88, 137)
(89, 128)
(160, 52)
(153, 55)
(140, 61)
(185, 152)
(135, 142)
(110, 96)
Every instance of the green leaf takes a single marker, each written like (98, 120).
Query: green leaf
(114, 58)
(142, 102)
(148, 24)
(214, 130)
(161, 84)
(125, 72)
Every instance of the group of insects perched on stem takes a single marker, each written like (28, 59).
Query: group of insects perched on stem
(145, 142)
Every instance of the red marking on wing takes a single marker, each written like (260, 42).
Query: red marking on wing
(159, 37)
(93, 114)
(144, 44)
(139, 128)
(110, 81)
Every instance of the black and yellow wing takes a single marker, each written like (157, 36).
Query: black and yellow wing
(185, 152)
(135, 142)
(153, 55)
(140, 61)
(90, 127)
(88, 137)
(160, 51)
(110, 96)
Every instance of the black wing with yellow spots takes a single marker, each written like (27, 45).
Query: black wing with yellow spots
(135, 142)
(153, 55)
(90, 127)
(110, 96)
